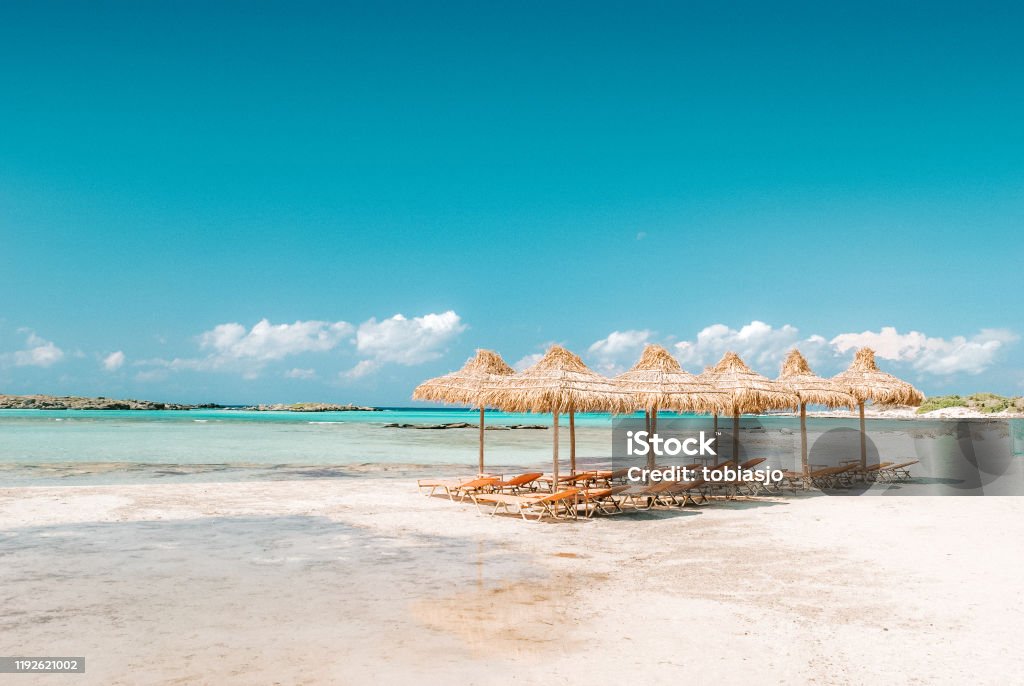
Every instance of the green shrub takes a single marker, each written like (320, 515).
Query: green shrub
(940, 402)
(988, 403)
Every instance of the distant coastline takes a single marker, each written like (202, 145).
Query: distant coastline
(68, 402)
(977, 406)
(307, 407)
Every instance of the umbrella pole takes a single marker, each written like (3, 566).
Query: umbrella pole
(714, 429)
(863, 442)
(481, 441)
(804, 467)
(647, 427)
(736, 437)
(572, 442)
(554, 456)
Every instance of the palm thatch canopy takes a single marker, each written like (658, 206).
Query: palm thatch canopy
(658, 382)
(467, 385)
(750, 392)
(796, 376)
(558, 382)
(865, 381)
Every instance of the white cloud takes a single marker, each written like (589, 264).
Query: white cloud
(888, 344)
(531, 359)
(527, 361)
(764, 347)
(362, 368)
(113, 361)
(408, 341)
(932, 355)
(761, 345)
(266, 341)
(617, 351)
(38, 352)
(148, 375)
(232, 347)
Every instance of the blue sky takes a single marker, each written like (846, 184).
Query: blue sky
(601, 175)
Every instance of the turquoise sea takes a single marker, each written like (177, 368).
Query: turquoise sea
(46, 444)
(42, 445)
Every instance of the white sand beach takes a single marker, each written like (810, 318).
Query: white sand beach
(340, 581)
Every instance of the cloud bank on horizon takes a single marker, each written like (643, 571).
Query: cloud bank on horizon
(764, 347)
(345, 354)
(231, 347)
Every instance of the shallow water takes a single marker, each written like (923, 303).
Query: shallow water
(116, 446)
(261, 591)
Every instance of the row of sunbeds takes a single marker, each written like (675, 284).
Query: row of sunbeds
(606, 492)
(844, 475)
(588, 492)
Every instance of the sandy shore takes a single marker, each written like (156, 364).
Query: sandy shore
(337, 581)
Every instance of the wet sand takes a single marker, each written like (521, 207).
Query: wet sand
(338, 581)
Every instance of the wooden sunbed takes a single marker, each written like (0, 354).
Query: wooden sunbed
(556, 505)
(665, 493)
(583, 478)
(870, 472)
(443, 484)
(645, 496)
(460, 487)
(748, 487)
(896, 473)
(473, 487)
(612, 476)
(682, 492)
(520, 483)
(579, 478)
(833, 477)
(792, 480)
(822, 477)
(737, 487)
(603, 500)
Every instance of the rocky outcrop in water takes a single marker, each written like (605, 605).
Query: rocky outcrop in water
(463, 425)
(310, 407)
(70, 402)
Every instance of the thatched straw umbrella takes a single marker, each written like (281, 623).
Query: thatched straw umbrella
(749, 391)
(865, 381)
(797, 377)
(658, 382)
(558, 382)
(467, 385)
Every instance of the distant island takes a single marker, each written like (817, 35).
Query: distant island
(70, 402)
(308, 407)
